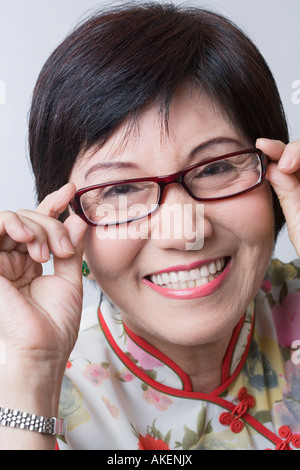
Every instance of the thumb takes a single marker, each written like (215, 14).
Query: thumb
(71, 268)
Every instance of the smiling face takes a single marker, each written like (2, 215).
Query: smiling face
(212, 285)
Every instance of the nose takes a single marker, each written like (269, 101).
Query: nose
(181, 223)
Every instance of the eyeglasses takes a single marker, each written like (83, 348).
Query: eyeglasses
(124, 201)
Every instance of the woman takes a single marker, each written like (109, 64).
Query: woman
(184, 358)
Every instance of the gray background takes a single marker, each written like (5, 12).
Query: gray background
(31, 29)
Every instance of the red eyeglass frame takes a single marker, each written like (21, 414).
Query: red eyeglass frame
(177, 177)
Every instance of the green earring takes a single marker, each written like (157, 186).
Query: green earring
(85, 269)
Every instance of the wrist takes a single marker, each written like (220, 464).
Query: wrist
(32, 422)
(32, 387)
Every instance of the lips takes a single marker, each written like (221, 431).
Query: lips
(192, 281)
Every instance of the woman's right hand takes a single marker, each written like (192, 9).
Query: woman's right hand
(40, 315)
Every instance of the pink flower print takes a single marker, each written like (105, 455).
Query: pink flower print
(125, 375)
(145, 360)
(114, 411)
(96, 373)
(159, 400)
(266, 286)
(128, 377)
(287, 319)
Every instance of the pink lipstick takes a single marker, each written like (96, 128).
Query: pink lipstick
(188, 293)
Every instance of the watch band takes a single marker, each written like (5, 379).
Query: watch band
(32, 422)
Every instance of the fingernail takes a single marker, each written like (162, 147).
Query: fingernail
(66, 246)
(45, 254)
(28, 230)
(286, 161)
(260, 141)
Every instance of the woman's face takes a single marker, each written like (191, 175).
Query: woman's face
(237, 231)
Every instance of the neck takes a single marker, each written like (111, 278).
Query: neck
(202, 363)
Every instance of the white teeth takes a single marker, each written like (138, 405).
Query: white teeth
(173, 277)
(189, 278)
(212, 267)
(204, 271)
(195, 274)
(184, 275)
(190, 283)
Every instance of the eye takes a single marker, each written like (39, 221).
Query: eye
(120, 190)
(215, 169)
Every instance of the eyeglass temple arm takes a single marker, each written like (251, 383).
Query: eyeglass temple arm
(75, 206)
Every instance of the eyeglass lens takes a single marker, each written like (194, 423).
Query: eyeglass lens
(130, 200)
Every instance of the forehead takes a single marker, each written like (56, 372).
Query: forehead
(145, 140)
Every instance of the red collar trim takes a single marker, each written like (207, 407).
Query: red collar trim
(187, 386)
(186, 381)
(226, 366)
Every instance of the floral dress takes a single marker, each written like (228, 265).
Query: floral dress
(119, 392)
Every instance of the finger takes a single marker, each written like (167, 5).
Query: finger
(38, 247)
(19, 268)
(16, 227)
(12, 224)
(272, 148)
(287, 156)
(48, 231)
(13, 231)
(290, 158)
(284, 184)
(37, 230)
(57, 202)
(52, 206)
(71, 268)
(287, 189)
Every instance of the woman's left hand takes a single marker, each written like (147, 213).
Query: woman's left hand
(284, 175)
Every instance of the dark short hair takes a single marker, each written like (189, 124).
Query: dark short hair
(118, 60)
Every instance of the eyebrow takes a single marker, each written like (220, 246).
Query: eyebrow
(113, 164)
(120, 164)
(213, 142)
